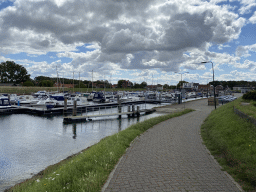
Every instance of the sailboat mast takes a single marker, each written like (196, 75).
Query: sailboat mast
(73, 82)
(92, 80)
(104, 84)
(63, 82)
(57, 80)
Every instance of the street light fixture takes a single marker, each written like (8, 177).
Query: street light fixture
(213, 81)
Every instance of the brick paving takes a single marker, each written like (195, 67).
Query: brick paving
(171, 157)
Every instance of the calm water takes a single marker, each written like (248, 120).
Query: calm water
(28, 144)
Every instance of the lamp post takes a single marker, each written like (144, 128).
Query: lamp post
(213, 81)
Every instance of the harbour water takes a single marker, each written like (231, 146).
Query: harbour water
(28, 144)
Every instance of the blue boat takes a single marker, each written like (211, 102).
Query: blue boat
(4, 101)
(99, 97)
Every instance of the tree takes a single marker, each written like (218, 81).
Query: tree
(11, 72)
(46, 83)
(120, 83)
(136, 86)
(181, 83)
(143, 84)
(166, 86)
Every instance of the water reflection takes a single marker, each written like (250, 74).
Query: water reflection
(74, 130)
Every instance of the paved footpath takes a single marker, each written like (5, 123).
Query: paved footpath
(171, 157)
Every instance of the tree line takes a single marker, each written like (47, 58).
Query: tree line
(13, 73)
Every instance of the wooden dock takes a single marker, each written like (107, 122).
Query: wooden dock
(70, 119)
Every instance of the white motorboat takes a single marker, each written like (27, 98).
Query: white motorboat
(47, 103)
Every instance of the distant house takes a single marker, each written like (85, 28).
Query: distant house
(114, 86)
(157, 87)
(243, 89)
(203, 88)
(190, 86)
(63, 85)
(126, 84)
(219, 90)
(100, 86)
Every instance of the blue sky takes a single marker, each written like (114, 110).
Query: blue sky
(153, 40)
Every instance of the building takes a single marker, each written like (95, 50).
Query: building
(219, 90)
(190, 86)
(63, 85)
(203, 88)
(243, 89)
(114, 86)
(126, 84)
(157, 87)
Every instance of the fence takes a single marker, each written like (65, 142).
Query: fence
(245, 116)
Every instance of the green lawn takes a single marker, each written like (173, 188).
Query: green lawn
(246, 106)
(232, 141)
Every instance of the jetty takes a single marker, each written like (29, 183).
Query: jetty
(138, 112)
(15, 109)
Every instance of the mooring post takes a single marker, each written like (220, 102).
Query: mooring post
(9, 98)
(65, 105)
(133, 110)
(129, 110)
(74, 108)
(118, 100)
(138, 110)
(119, 111)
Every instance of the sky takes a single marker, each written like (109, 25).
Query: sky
(156, 41)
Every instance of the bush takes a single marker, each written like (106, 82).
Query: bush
(46, 83)
(28, 84)
(250, 96)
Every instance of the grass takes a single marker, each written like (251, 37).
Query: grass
(232, 141)
(89, 170)
(30, 90)
(247, 109)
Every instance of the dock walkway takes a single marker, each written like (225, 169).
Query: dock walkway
(171, 157)
(86, 117)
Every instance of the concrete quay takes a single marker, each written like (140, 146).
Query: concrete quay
(171, 157)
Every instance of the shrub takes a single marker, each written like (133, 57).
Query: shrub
(28, 84)
(250, 96)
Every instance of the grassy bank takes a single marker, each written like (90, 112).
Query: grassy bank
(89, 170)
(30, 90)
(246, 106)
(232, 141)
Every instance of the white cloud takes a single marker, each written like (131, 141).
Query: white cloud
(220, 47)
(246, 5)
(243, 51)
(237, 76)
(252, 19)
(133, 34)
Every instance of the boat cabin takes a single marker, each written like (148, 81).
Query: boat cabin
(4, 101)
